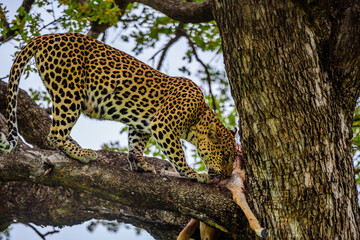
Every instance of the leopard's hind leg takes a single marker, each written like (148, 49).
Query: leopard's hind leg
(137, 143)
(65, 116)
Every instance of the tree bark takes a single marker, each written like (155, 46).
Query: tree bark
(60, 206)
(109, 179)
(294, 72)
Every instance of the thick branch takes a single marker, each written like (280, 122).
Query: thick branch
(186, 12)
(97, 28)
(109, 178)
(345, 51)
(59, 206)
(334, 28)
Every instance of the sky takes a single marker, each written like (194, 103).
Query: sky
(78, 232)
(101, 131)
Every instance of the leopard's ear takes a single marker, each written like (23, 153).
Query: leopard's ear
(233, 131)
(212, 133)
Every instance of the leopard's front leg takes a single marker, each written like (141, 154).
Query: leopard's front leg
(170, 144)
(137, 142)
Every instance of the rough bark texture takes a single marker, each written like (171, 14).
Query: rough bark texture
(294, 74)
(109, 178)
(57, 206)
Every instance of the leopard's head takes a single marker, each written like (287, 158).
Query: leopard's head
(218, 150)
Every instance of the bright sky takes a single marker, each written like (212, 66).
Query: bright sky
(87, 132)
(78, 232)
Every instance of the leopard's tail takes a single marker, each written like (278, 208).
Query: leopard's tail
(9, 142)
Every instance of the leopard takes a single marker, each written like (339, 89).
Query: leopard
(84, 75)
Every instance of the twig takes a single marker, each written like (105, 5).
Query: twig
(7, 76)
(178, 34)
(50, 23)
(130, 20)
(43, 236)
(53, 11)
(165, 49)
(51, 232)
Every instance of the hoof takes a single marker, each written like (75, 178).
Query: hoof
(261, 232)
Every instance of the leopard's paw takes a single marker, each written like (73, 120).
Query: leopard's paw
(86, 155)
(203, 178)
(145, 167)
(199, 177)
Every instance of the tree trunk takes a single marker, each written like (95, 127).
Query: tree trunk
(294, 74)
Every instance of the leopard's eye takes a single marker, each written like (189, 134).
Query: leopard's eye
(225, 156)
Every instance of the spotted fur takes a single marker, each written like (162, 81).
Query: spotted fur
(84, 75)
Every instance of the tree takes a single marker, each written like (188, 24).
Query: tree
(294, 74)
(293, 69)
